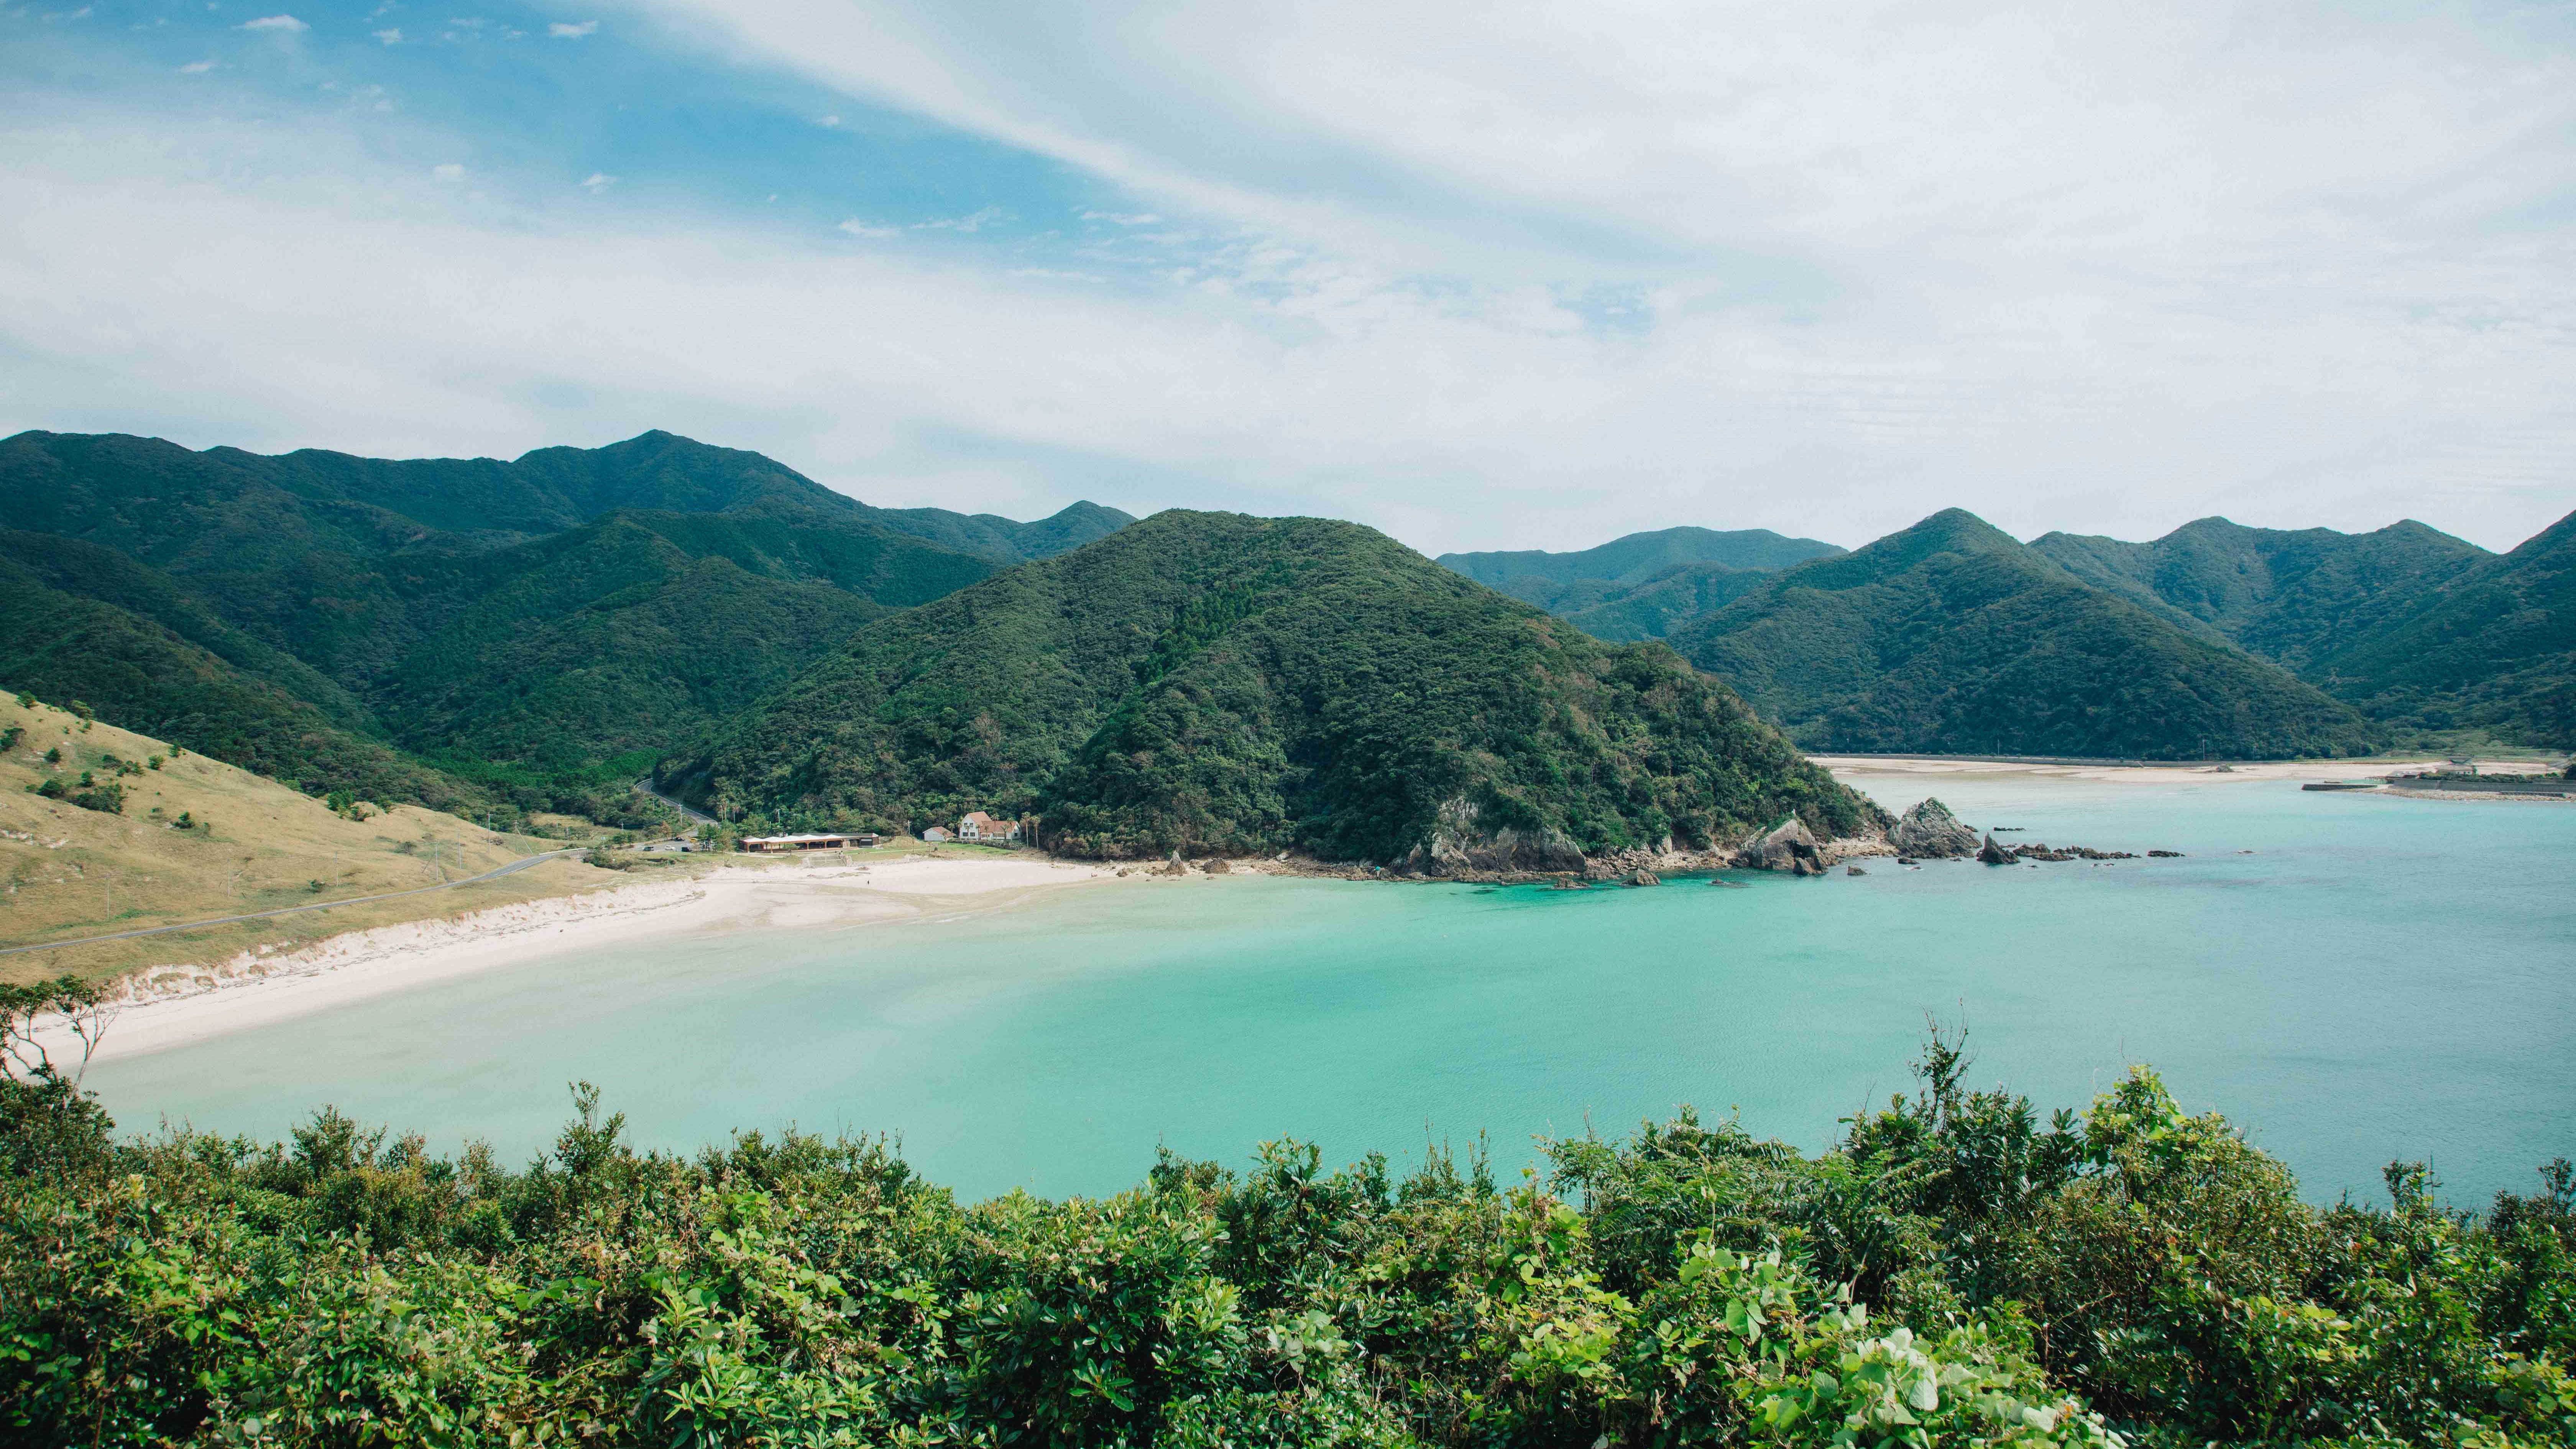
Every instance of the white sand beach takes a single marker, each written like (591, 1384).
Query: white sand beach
(168, 1006)
(2183, 774)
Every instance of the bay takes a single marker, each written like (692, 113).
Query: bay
(2351, 978)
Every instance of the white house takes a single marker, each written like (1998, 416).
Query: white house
(980, 826)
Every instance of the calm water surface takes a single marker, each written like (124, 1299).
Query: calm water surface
(2377, 979)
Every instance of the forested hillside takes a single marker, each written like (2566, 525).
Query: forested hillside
(1665, 601)
(1212, 682)
(2292, 597)
(2493, 649)
(1951, 1273)
(1951, 637)
(1562, 583)
(454, 631)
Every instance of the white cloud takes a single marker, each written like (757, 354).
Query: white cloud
(2300, 263)
(448, 171)
(597, 182)
(281, 24)
(199, 67)
(827, 121)
(1820, 273)
(389, 37)
(561, 30)
(977, 221)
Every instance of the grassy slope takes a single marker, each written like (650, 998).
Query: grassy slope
(70, 872)
(2292, 597)
(2494, 648)
(129, 666)
(1211, 681)
(1565, 582)
(1951, 637)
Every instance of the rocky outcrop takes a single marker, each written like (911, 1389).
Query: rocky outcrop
(1930, 831)
(1993, 854)
(1788, 846)
(1460, 846)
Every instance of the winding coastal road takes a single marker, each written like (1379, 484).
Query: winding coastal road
(522, 863)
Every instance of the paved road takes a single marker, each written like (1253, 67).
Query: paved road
(522, 863)
(700, 817)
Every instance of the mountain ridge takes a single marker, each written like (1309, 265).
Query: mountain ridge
(1214, 682)
(1953, 637)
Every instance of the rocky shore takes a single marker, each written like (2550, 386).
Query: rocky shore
(1459, 853)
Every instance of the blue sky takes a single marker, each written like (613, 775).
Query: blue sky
(1491, 275)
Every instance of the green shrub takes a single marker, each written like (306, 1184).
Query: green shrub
(2136, 1273)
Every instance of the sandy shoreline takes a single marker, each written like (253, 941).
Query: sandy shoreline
(1933, 765)
(171, 1006)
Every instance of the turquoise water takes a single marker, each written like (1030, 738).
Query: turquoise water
(2378, 979)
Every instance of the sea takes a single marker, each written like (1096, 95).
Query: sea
(2351, 979)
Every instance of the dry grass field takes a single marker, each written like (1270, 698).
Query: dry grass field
(197, 839)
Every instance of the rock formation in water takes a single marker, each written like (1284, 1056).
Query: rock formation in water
(1459, 845)
(1929, 830)
(1992, 854)
(1788, 846)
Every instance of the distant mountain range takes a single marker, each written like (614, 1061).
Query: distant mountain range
(532, 635)
(1951, 636)
(456, 631)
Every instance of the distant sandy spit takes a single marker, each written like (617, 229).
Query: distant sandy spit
(1936, 765)
(170, 1006)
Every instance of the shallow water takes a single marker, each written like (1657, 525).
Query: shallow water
(2378, 979)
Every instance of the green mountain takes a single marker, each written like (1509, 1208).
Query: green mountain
(2292, 597)
(83, 623)
(1665, 602)
(543, 626)
(1952, 637)
(1562, 583)
(2493, 648)
(1212, 682)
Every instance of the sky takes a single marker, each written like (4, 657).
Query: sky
(1488, 275)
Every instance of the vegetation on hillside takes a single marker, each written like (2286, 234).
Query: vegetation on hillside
(464, 633)
(1664, 602)
(1951, 637)
(2494, 648)
(193, 839)
(1562, 583)
(1216, 683)
(1952, 1273)
(2292, 597)
(142, 673)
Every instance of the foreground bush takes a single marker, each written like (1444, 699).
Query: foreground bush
(1954, 1273)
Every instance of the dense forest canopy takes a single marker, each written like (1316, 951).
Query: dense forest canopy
(1955, 1271)
(1952, 637)
(1211, 682)
(458, 632)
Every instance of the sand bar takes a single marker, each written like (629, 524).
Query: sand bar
(170, 1006)
(2178, 774)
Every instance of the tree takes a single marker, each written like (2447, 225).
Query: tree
(85, 1010)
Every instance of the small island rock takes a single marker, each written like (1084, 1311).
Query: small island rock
(1930, 830)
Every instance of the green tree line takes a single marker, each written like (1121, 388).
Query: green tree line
(1953, 1272)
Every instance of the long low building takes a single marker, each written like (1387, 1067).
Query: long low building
(806, 842)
